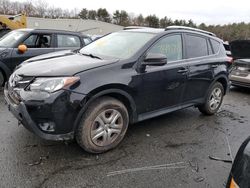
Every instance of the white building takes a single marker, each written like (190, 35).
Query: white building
(92, 27)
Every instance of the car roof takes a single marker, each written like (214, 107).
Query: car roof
(145, 30)
(171, 29)
(52, 31)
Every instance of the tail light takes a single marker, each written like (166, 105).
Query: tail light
(230, 60)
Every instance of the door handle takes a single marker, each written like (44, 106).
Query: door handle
(214, 66)
(182, 70)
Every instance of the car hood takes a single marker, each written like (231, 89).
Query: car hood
(2, 50)
(240, 49)
(64, 63)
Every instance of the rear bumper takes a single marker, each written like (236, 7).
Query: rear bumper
(21, 112)
(240, 80)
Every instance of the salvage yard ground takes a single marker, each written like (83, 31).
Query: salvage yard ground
(169, 151)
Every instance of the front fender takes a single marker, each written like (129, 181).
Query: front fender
(94, 95)
(5, 69)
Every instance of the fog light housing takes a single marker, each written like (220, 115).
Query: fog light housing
(47, 126)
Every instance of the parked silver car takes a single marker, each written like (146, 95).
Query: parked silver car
(240, 74)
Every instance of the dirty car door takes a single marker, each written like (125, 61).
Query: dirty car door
(163, 85)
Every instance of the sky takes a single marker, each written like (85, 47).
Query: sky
(209, 12)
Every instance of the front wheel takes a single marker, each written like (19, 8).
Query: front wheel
(103, 125)
(213, 99)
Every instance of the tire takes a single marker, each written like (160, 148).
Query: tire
(213, 99)
(103, 125)
(2, 79)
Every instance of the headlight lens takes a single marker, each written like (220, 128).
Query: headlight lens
(51, 85)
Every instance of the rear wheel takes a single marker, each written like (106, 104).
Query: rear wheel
(213, 100)
(103, 125)
(2, 80)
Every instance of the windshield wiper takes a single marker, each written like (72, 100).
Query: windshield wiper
(91, 55)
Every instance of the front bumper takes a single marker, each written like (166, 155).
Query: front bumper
(29, 113)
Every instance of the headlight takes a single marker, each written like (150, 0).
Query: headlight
(51, 85)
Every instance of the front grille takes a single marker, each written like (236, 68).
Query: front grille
(15, 84)
(20, 82)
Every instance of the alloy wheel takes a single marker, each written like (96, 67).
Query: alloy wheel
(215, 98)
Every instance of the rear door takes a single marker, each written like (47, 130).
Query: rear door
(37, 44)
(198, 53)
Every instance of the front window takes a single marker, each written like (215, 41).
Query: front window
(171, 46)
(121, 45)
(38, 41)
(10, 39)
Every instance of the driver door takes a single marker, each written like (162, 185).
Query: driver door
(163, 86)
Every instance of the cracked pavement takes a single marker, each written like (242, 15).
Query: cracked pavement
(184, 136)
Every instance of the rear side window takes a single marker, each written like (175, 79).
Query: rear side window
(171, 46)
(71, 41)
(215, 45)
(196, 46)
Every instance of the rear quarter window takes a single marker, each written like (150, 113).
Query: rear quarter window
(68, 41)
(196, 46)
(215, 45)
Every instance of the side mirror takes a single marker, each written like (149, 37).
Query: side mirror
(22, 48)
(155, 59)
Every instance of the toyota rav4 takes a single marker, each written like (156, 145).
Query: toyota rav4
(120, 79)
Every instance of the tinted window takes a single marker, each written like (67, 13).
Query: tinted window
(171, 46)
(68, 41)
(196, 46)
(38, 41)
(216, 45)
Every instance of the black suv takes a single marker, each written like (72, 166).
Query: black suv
(119, 79)
(22, 44)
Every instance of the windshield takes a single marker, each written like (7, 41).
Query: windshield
(11, 38)
(121, 45)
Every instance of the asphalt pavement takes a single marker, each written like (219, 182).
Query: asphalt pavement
(168, 151)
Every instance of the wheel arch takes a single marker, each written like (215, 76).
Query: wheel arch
(224, 81)
(117, 91)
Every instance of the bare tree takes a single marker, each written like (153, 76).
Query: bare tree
(5, 6)
(29, 8)
(41, 7)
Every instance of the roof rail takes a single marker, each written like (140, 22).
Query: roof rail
(190, 29)
(135, 27)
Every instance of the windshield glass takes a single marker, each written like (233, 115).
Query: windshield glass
(121, 45)
(11, 38)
